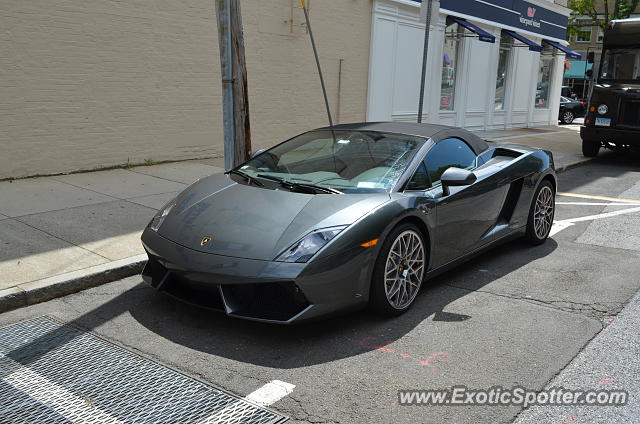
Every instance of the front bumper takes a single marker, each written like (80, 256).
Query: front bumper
(277, 292)
(619, 136)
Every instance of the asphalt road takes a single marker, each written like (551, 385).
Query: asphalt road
(516, 315)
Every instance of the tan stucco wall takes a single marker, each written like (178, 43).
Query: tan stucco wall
(93, 83)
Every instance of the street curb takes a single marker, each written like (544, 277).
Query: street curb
(573, 165)
(61, 285)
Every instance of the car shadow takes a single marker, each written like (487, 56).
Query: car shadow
(318, 342)
(606, 168)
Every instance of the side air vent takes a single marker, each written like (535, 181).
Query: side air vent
(511, 201)
(499, 151)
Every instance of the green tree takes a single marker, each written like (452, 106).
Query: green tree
(599, 12)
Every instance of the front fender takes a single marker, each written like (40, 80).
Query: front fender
(377, 225)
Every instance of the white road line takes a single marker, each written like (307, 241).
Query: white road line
(271, 392)
(566, 223)
(558, 226)
(54, 396)
(602, 215)
(266, 395)
(590, 196)
(595, 204)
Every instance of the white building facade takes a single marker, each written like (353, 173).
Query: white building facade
(492, 64)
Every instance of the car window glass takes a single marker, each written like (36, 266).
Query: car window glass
(420, 180)
(353, 162)
(447, 153)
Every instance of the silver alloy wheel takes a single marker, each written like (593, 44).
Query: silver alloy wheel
(404, 269)
(543, 213)
(567, 117)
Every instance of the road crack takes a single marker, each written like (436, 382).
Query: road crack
(596, 310)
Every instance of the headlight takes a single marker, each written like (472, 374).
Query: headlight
(603, 109)
(157, 220)
(304, 249)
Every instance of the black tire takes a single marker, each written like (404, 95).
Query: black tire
(536, 235)
(567, 117)
(378, 300)
(590, 148)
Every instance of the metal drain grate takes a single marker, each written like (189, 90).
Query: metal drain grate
(52, 373)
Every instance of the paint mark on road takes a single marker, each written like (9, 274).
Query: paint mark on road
(571, 419)
(374, 343)
(435, 358)
(607, 381)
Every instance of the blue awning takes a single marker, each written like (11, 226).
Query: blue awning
(534, 47)
(571, 54)
(482, 34)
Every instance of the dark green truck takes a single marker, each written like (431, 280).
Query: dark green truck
(613, 114)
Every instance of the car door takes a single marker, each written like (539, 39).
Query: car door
(467, 215)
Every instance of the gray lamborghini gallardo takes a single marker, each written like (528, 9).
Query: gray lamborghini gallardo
(346, 217)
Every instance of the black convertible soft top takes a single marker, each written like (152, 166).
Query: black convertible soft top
(433, 131)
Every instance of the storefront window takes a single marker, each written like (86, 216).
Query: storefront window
(449, 67)
(544, 78)
(501, 78)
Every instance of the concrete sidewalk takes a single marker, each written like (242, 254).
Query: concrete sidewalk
(61, 234)
(80, 227)
(564, 141)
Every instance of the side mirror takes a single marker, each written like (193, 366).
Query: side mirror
(454, 177)
(589, 73)
(257, 153)
(591, 56)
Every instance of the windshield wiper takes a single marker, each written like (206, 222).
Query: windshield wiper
(304, 186)
(247, 177)
(318, 188)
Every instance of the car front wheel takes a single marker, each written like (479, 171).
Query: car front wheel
(567, 117)
(399, 270)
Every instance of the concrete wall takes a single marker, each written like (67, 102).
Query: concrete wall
(86, 84)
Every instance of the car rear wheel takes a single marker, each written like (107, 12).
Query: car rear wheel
(567, 117)
(590, 148)
(541, 214)
(399, 270)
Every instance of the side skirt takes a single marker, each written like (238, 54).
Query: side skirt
(514, 234)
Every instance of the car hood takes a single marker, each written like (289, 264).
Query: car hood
(256, 223)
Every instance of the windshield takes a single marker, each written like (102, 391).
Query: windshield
(353, 162)
(621, 65)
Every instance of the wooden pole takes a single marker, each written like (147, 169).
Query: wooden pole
(235, 99)
(240, 86)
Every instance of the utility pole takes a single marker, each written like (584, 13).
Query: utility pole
(425, 52)
(235, 99)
